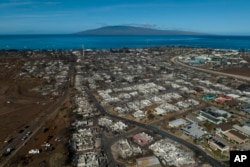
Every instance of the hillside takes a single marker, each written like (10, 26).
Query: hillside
(130, 30)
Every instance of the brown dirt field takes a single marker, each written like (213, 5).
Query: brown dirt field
(18, 104)
(20, 107)
(56, 127)
(243, 71)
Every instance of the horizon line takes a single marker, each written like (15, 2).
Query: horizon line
(77, 34)
(151, 28)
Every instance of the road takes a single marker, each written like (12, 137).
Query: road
(36, 124)
(196, 149)
(175, 61)
(107, 143)
(17, 143)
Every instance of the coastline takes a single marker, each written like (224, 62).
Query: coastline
(75, 41)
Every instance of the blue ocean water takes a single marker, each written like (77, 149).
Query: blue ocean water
(120, 41)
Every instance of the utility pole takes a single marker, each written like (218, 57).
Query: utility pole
(82, 50)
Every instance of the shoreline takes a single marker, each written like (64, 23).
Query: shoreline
(121, 48)
(72, 41)
(147, 80)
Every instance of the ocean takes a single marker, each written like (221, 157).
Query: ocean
(121, 41)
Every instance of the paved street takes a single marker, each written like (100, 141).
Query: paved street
(196, 149)
(175, 61)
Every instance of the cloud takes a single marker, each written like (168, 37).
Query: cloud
(17, 3)
(145, 25)
(51, 3)
(119, 6)
(102, 24)
(27, 16)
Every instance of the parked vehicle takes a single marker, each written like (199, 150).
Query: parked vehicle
(8, 151)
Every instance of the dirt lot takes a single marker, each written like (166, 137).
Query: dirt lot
(18, 104)
(244, 71)
(20, 107)
(55, 132)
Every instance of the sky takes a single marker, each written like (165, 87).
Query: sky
(225, 17)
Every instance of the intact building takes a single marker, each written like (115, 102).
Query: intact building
(178, 122)
(193, 130)
(216, 144)
(223, 128)
(214, 115)
(237, 137)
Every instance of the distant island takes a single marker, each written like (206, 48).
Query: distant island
(130, 30)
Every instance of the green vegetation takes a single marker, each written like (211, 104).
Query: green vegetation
(218, 154)
(209, 126)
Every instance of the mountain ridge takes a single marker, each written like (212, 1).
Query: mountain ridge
(132, 30)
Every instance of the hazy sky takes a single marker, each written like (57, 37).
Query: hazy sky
(68, 16)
